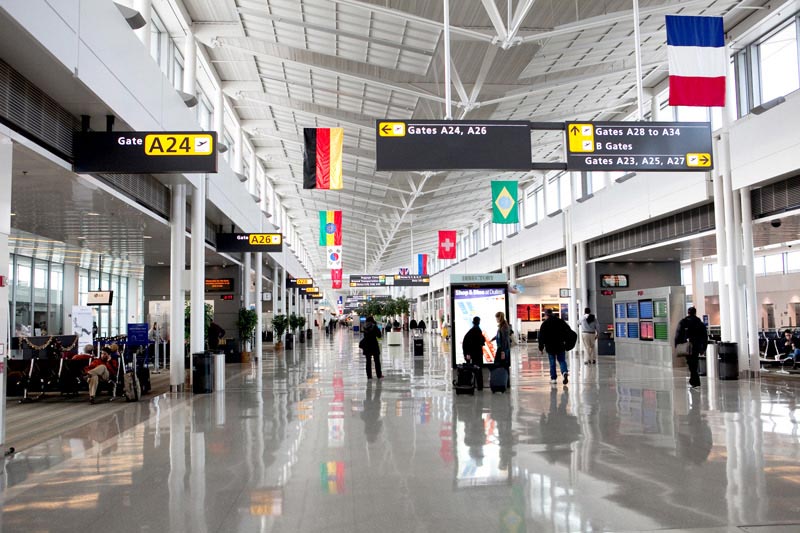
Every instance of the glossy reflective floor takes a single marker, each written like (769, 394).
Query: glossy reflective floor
(303, 442)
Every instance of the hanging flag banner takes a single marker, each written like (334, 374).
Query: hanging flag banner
(330, 228)
(504, 202)
(403, 271)
(447, 244)
(336, 278)
(697, 62)
(322, 159)
(422, 264)
(335, 257)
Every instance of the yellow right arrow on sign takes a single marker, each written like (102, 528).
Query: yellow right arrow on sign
(698, 160)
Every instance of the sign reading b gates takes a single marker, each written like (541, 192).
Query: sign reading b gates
(145, 152)
(249, 242)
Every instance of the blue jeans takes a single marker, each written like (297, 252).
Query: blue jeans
(562, 362)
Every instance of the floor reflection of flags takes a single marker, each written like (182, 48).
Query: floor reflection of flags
(332, 477)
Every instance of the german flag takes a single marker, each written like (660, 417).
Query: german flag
(330, 228)
(322, 160)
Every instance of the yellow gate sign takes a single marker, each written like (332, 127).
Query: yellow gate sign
(172, 144)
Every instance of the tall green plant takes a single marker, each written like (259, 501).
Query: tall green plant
(294, 322)
(402, 305)
(208, 316)
(279, 323)
(301, 322)
(246, 323)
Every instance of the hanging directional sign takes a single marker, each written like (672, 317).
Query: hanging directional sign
(367, 280)
(644, 146)
(453, 145)
(249, 242)
(141, 152)
(300, 282)
(408, 280)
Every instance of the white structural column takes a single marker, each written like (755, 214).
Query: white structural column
(144, 9)
(655, 109)
(583, 282)
(637, 47)
(198, 272)
(698, 287)
(177, 224)
(719, 230)
(247, 267)
(512, 300)
(6, 155)
(276, 284)
(730, 237)
(741, 294)
(190, 63)
(448, 112)
(259, 302)
(751, 298)
(284, 292)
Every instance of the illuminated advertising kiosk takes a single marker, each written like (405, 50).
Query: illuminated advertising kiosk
(472, 295)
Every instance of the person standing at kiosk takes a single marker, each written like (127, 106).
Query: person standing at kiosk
(473, 349)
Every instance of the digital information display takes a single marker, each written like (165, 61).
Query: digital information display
(646, 309)
(633, 310)
(140, 152)
(619, 311)
(646, 332)
(483, 302)
(634, 146)
(615, 281)
(452, 145)
(219, 284)
(249, 242)
(661, 331)
(621, 329)
(529, 312)
(660, 308)
(633, 330)
(100, 298)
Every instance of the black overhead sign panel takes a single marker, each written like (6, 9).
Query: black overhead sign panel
(249, 242)
(139, 152)
(453, 145)
(645, 146)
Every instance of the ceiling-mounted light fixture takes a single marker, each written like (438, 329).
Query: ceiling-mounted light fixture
(134, 19)
(625, 177)
(189, 99)
(766, 106)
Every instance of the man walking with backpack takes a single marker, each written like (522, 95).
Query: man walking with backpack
(556, 337)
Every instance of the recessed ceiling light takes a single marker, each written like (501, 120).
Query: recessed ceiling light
(92, 214)
(161, 262)
(146, 237)
(13, 214)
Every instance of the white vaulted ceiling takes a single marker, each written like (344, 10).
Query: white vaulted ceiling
(291, 64)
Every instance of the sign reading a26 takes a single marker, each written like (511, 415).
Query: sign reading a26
(264, 238)
(178, 144)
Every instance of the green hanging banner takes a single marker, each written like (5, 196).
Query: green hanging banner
(504, 202)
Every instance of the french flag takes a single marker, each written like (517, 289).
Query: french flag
(697, 62)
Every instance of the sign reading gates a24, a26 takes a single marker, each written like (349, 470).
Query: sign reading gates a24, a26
(139, 152)
(645, 146)
(249, 242)
(452, 145)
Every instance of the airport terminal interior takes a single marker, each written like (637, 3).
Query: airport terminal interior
(245, 245)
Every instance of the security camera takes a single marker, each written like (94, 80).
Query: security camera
(775, 223)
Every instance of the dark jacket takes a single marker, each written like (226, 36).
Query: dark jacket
(412, 324)
(215, 333)
(370, 343)
(421, 325)
(473, 344)
(553, 335)
(692, 329)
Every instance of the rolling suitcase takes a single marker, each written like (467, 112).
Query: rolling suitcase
(131, 387)
(498, 381)
(464, 382)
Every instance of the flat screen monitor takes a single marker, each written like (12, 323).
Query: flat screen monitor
(646, 309)
(100, 298)
(484, 302)
(620, 329)
(646, 331)
(633, 310)
(614, 281)
(619, 311)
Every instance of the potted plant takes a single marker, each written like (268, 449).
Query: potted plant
(301, 323)
(292, 328)
(246, 323)
(279, 323)
(402, 305)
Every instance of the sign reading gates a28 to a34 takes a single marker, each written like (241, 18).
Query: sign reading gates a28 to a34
(249, 242)
(139, 152)
(452, 145)
(645, 146)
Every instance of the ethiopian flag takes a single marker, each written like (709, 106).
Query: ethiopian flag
(504, 202)
(330, 228)
(322, 160)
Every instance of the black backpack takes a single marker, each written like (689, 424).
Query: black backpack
(570, 338)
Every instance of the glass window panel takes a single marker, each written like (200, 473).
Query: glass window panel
(793, 261)
(565, 196)
(540, 211)
(758, 266)
(773, 264)
(40, 314)
(779, 72)
(55, 318)
(23, 319)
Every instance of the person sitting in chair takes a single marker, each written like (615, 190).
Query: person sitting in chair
(100, 370)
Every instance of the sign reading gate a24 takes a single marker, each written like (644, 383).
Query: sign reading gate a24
(139, 152)
(645, 146)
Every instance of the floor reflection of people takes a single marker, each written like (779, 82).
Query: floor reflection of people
(559, 428)
(501, 414)
(694, 434)
(371, 415)
(471, 413)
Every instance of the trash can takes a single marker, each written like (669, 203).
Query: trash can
(702, 367)
(728, 360)
(419, 347)
(203, 377)
(219, 371)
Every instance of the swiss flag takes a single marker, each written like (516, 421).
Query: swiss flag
(336, 278)
(447, 244)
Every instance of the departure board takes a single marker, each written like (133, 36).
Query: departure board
(633, 330)
(619, 311)
(646, 332)
(661, 331)
(620, 329)
(646, 309)
(633, 310)
(660, 308)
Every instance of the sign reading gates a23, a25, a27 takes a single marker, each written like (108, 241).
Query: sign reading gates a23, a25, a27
(140, 152)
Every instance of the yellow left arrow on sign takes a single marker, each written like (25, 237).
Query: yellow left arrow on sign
(392, 129)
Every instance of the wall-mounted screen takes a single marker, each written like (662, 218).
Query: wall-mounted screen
(633, 330)
(646, 332)
(484, 302)
(646, 309)
(614, 281)
(100, 298)
(633, 309)
(619, 311)
(620, 329)
(661, 331)
(660, 308)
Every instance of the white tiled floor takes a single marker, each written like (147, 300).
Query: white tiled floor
(304, 443)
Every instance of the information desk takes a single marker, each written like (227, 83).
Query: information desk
(644, 325)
